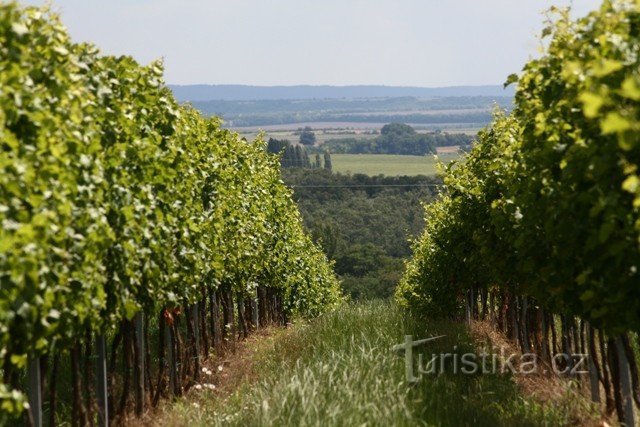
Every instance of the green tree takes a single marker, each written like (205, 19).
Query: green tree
(326, 234)
(276, 146)
(343, 211)
(295, 157)
(327, 161)
(307, 136)
(397, 129)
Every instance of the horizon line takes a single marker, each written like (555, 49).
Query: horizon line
(335, 85)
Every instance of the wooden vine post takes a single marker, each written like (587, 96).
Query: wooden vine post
(35, 391)
(171, 359)
(101, 381)
(626, 390)
(139, 363)
(196, 339)
(594, 373)
(254, 308)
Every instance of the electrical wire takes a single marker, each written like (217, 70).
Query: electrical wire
(369, 186)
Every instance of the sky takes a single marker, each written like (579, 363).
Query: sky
(429, 43)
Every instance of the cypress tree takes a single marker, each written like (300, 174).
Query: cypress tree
(289, 157)
(327, 161)
(299, 162)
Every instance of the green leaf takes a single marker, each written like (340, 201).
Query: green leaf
(630, 88)
(19, 360)
(130, 308)
(19, 28)
(614, 123)
(631, 184)
(591, 103)
(606, 67)
(513, 78)
(587, 296)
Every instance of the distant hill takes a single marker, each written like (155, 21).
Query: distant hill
(246, 93)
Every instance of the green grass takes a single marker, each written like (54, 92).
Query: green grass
(387, 164)
(339, 370)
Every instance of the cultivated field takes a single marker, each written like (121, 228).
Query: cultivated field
(322, 135)
(324, 131)
(391, 165)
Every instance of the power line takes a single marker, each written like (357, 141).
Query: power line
(367, 185)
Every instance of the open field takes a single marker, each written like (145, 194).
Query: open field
(325, 134)
(387, 164)
(325, 130)
(364, 126)
(322, 135)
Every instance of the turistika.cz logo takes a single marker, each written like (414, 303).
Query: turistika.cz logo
(499, 360)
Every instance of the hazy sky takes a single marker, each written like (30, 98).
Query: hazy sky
(338, 42)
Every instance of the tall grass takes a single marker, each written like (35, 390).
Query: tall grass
(339, 370)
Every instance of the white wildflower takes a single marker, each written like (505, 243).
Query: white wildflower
(518, 215)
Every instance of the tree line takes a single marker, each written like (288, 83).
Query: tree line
(297, 156)
(398, 138)
(538, 230)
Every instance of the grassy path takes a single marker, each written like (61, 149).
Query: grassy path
(339, 370)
